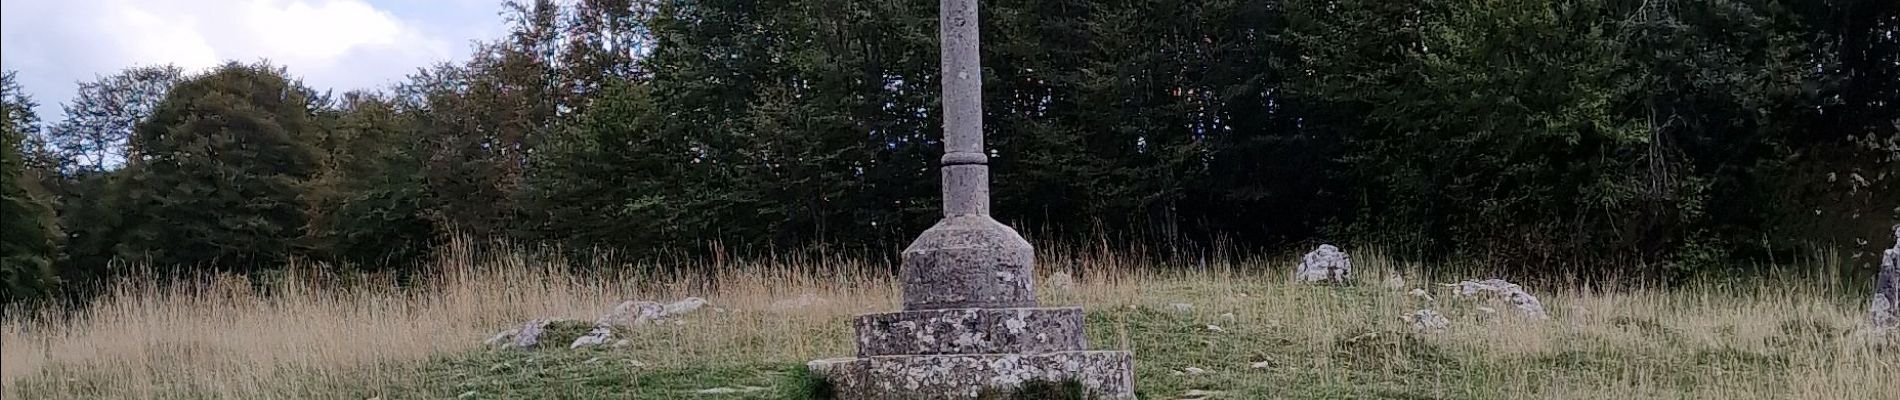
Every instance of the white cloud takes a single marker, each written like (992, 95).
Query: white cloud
(339, 44)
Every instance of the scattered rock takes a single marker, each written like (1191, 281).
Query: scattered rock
(631, 313)
(1421, 293)
(1261, 365)
(1193, 371)
(530, 334)
(682, 307)
(1426, 320)
(466, 395)
(1499, 289)
(599, 336)
(623, 343)
(1327, 264)
(1487, 310)
(1216, 329)
(1181, 307)
(1061, 281)
(1885, 311)
(501, 338)
(1227, 316)
(1395, 282)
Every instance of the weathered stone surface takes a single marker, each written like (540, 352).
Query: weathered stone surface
(530, 333)
(1499, 289)
(970, 331)
(631, 313)
(503, 337)
(1106, 374)
(969, 261)
(1885, 312)
(1326, 264)
(599, 336)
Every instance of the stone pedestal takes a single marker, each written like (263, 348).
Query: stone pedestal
(970, 325)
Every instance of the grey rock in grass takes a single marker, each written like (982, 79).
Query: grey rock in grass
(1422, 294)
(1885, 312)
(599, 336)
(530, 334)
(631, 313)
(1325, 265)
(682, 307)
(504, 337)
(1181, 307)
(1501, 290)
(1426, 320)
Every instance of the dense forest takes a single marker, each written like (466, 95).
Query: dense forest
(1640, 137)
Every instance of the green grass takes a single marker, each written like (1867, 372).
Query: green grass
(1373, 360)
(1734, 341)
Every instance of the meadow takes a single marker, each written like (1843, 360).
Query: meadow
(1247, 333)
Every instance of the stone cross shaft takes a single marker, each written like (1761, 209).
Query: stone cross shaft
(966, 171)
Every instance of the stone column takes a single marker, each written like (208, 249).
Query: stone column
(970, 324)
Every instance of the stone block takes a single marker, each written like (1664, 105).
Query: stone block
(1105, 374)
(969, 261)
(971, 331)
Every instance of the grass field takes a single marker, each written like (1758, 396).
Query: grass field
(1789, 337)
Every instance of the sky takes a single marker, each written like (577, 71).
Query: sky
(331, 44)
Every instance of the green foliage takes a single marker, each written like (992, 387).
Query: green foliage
(224, 160)
(1667, 137)
(372, 208)
(29, 236)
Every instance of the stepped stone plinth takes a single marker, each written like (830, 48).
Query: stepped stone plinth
(970, 323)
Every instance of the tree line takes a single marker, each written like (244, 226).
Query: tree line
(1657, 138)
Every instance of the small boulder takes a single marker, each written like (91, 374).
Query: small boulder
(631, 313)
(599, 336)
(1216, 329)
(1421, 293)
(682, 307)
(530, 334)
(1426, 320)
(1181, 307)
(501, 338)
(1325, 265)
(1501, 290)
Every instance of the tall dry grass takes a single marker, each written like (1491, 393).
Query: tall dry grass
(222, 338)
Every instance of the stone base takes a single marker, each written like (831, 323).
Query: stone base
(1106, 374)
(971, 331)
